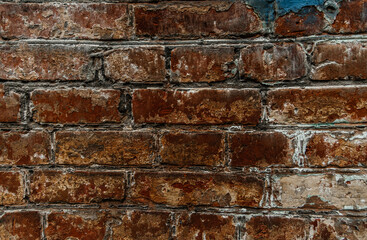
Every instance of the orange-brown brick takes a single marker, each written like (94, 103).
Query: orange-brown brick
(273, 62)
(202, 64)
(317, 105)
(345, 60)
(217, 19)
(33, 62)
(76, 106)
(308, 21)
(140, 64)
(202, 106)
(337, 149)
(186, 149)
(197, 189)
(24, 148)
(12, 188)
(9, 106)
(20, 226)
(351, 17)
(76, 187)
(63, 21)
(104, 148)
(205, 226)
(260, 149)
(143, 225)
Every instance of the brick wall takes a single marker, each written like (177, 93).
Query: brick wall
(142, 119)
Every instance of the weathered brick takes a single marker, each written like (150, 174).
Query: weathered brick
(337, 149)
(217, 19)
(105, 148)
(142, 64)
(274, 228)
(72, 20)
(205, 226)
(273, 62)
(260, 149)
(322, 191)
(202, 64)
(322, 105)
(308, 21)
(81, 225)
(34, 62)
(186, 149)
(12, 188)
(20, 226)
(334, 61)
(9, 106)
(351, 17)
(143, 225)
(76, 106)
(203, 106)
(24, 148)
(76, 187)
(197, 189)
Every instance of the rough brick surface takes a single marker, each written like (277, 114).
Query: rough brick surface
(76, 106)
(20, 225)
(12, 188)
(197, 189)
(9, 106)
(203, 106)
(77, 187)
(351, 17)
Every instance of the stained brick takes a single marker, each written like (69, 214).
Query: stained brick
(24, 148)
(20, 226)
(186, 149)
(12, 188)
(260, 149)
(217, 19)
(105, 148)
(64, 21)
(76, 106)
(136, 64)
(205, 226)
(9, 106)
(76, 187)
(351, 17)
(197, 189)
(273, 62)
(203, 106)
(322, 105)
(202, 64)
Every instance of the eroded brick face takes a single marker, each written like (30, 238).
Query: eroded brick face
(13, 189)
(9, 106)
(20, 225)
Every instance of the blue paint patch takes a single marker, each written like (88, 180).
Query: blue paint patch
(265, 9)
(286, 6)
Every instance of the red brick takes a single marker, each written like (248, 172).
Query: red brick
(64, 21)
(142, 64)
(20, 226)
(76, 187)
(351, 17)
(104, 148)
(179, 189)
(76, 106)
(308, 21)
(320, 191)
(276, 228)
(81, 225)
(44, 62)
(273, 62)
(214, 19)
(205, 226)
(12, 188)
(323, 105)
(260, 149)
(187, 149)
(9, 106)
(143, 226)
(202, 106)
(337, 149)
(334, 61)
(202, 64)
(24, 148)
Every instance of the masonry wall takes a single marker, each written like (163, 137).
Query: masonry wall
(183, 120)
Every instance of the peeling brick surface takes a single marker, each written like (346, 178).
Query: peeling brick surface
(12, 188)
(9, 106)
